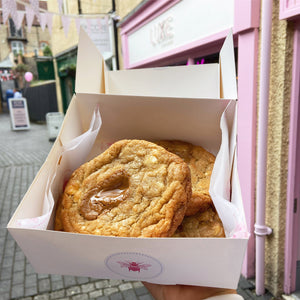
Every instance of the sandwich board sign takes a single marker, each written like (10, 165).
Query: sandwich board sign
(19, 113)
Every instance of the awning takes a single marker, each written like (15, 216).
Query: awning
(6, 63)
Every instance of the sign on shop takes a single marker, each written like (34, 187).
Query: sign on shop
(182, 26)
(162, 32)
(18, 113)
(100, 32)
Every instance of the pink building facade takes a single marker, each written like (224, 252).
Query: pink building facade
(177, 32)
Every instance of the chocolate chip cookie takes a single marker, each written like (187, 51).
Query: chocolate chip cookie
(133, 189)
(201, 164)
(203, 224)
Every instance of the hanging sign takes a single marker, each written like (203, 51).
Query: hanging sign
(174, 30)
(100, 31)
(18, 113)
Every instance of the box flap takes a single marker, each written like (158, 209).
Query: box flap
(90, 67)
(197, 81)
(227, 69)
(194, 81)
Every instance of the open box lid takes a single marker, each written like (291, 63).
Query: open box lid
(217, 81)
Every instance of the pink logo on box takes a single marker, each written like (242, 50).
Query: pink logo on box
(134, 265)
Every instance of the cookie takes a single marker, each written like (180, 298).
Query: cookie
(201, 164)
(133, 189)
(203, 224)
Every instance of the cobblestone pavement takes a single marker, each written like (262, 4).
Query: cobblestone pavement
(22, 154)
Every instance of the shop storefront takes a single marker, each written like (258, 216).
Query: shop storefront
(174, 32)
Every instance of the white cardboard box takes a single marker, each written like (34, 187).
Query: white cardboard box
(188, 103)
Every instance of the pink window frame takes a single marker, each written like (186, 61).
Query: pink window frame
(245, 29)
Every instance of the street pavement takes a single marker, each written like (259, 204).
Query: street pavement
(21, 155)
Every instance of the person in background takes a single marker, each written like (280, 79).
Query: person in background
(17, 93)
(186, 292)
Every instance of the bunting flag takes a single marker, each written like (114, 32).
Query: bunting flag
(92, 25)
(60, 2)
(20, 18)
(5, 10)
(9, 8)
(13, 11)
(43, 21)
(29, 16)
(36, 8)
(49, 22)
(66, 24)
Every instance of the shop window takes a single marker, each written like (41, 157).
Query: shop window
(180, 63)
(17, 47)
(43, 45)
(214, 58)
(209, 59)
(13, 32)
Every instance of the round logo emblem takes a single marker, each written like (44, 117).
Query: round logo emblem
(134, 265)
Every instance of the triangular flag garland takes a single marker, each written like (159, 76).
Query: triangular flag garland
(20, 18)
(5, 10)
(35, 8)
(60, 3)
(29, 17)
(66, 24)
(45, 18)
(9, 8)
(43, 21)
(13, 11)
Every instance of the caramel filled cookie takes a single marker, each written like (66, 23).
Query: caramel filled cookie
(201, 164)
(203, 224)
(133, 189)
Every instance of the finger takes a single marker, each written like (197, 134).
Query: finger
(156, 290)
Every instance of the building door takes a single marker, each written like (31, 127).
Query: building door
(67, 88)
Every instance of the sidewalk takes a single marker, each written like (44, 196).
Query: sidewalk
(22, 154)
